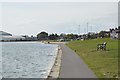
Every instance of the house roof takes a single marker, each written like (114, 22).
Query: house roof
(5, 33)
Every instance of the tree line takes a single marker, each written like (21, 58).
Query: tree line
(55, 36)
(91, 35)
(45, 36)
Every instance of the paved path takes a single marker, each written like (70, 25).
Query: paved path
(73, 66)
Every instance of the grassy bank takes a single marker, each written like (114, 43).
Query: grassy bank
(103, 63)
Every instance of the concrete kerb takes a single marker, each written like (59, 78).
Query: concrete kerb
(55, 71)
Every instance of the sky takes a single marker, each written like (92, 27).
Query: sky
(30, 18)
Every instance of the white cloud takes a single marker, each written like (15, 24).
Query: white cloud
(30, 18)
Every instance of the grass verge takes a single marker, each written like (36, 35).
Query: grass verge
(103, 63)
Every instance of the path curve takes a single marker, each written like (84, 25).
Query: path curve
(72, 66)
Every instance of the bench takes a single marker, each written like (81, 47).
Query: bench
(102, 46)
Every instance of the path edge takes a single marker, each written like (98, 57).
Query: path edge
(55, 71)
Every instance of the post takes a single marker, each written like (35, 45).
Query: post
(87, 27)
(79, 30)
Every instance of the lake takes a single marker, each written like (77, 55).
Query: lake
(27, 59)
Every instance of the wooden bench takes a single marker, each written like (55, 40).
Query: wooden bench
(102, 46)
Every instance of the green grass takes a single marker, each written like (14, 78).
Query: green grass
(103, 63)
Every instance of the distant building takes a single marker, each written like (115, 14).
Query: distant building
(61, 40)
(84, 36)
(4, 36)
(115, 33)
(12, 38)
(2, 33)
(27, 38)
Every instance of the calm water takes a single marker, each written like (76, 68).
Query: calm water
(27, 59)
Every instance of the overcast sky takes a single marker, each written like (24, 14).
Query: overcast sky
(31, 18)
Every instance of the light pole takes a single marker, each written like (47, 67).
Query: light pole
(87, 27)
(79, 29)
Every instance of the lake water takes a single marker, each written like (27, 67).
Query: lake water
(27, 59)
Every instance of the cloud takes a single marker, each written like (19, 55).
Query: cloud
(31, 18)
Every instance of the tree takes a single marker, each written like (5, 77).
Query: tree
(71, 36)
(62, 36)
(92, 35)
(42, 36)
(104, 34)
(53, 36)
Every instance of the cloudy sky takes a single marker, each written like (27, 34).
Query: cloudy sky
(31, 18)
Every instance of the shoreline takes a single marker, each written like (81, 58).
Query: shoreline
(55, 70)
